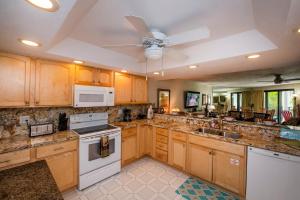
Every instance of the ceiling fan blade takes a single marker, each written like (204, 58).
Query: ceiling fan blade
(175, 54)
(121, 45)
(140, 26)
(292, 79)
(189, 36)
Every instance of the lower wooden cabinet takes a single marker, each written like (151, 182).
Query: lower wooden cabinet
(177, 150)
(129, 145)
(64, 169)
(145, 140)
(161, 144)
(218, 162)
(200, 162)
(229, 171)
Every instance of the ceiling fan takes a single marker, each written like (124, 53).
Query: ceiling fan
(155, 43)
(278, 79)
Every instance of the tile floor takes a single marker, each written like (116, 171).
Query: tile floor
(145, 179)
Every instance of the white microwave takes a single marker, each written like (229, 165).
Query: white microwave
(93, 96)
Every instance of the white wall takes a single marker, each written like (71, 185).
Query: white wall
(177, 88)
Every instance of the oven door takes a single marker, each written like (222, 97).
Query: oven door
(90, 96)
(89, 152)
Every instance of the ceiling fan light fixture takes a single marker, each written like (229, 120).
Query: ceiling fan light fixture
(48, 5)
(156, 73)
(253, 56)
(153, 52)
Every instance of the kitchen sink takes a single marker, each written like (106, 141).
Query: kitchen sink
(222, 133)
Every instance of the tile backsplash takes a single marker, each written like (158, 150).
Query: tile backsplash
(10, 124)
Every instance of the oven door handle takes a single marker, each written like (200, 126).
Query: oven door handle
(97, 139)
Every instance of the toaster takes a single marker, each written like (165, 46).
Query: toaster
(41, 129)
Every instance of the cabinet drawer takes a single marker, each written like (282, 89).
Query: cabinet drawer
(162, 131)
(129, 132)
(15, 157)
(179, 136)
(53, 149)
(162, 139)
(218, 145)
(161, 155)
(162, 146)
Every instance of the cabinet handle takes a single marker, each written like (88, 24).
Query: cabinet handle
(5, 161)
(37, 102)
(26, 102)
(210, 153)
(59, 148)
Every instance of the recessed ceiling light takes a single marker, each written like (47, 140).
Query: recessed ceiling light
(193, 67)
(29, 43)
(78, 61)
(124, 71)
(298, 30)
(253, 56)
(48, 5)
(156, 73)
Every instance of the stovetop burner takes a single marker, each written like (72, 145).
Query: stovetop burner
(92, 129)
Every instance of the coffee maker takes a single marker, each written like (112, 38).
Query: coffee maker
(127, 115)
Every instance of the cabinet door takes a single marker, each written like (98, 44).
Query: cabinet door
(228, 171)
(14, 80)
(200, 161)
(178, 154)
(139, 90)
(53, 84)
(142, 139)
(64, 169)
(85, 75)
(149, 141)
(129, 149)
(123, 88)
(104, 77)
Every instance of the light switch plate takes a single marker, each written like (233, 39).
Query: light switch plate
(24, 119)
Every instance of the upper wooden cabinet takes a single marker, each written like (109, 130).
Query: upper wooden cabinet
(14, 80)
(53, 83)
(93, 76)
(123, 88)
(130, 89)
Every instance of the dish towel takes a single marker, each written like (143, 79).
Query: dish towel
(104, 146)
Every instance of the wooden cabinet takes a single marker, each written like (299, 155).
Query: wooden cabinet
(177, 152)
(161, 144)
(123, 88)
(139, 89)
(145, 139)
(200, 162)
(62, 161)
(219, 162)
(53, 83)
(64, 169)
(14, 158)
(229, 171)
(14, 80)
(129, 145)
(93, 76)
(130, 89)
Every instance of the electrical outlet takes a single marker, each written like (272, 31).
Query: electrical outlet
(24, 120)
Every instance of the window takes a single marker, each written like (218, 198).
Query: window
(236, 101)
(279, 100)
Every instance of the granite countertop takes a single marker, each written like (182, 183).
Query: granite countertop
(32, 181)
(20, 142)
(275, 145)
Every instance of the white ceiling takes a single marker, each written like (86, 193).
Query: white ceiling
(237, 28)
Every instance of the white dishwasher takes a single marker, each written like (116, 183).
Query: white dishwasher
(272, 175)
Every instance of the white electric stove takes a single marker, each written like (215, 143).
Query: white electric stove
(92, 167)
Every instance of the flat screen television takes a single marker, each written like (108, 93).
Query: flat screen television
(191, 99)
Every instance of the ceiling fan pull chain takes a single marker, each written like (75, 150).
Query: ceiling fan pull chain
(146, 68)
(162, 63)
